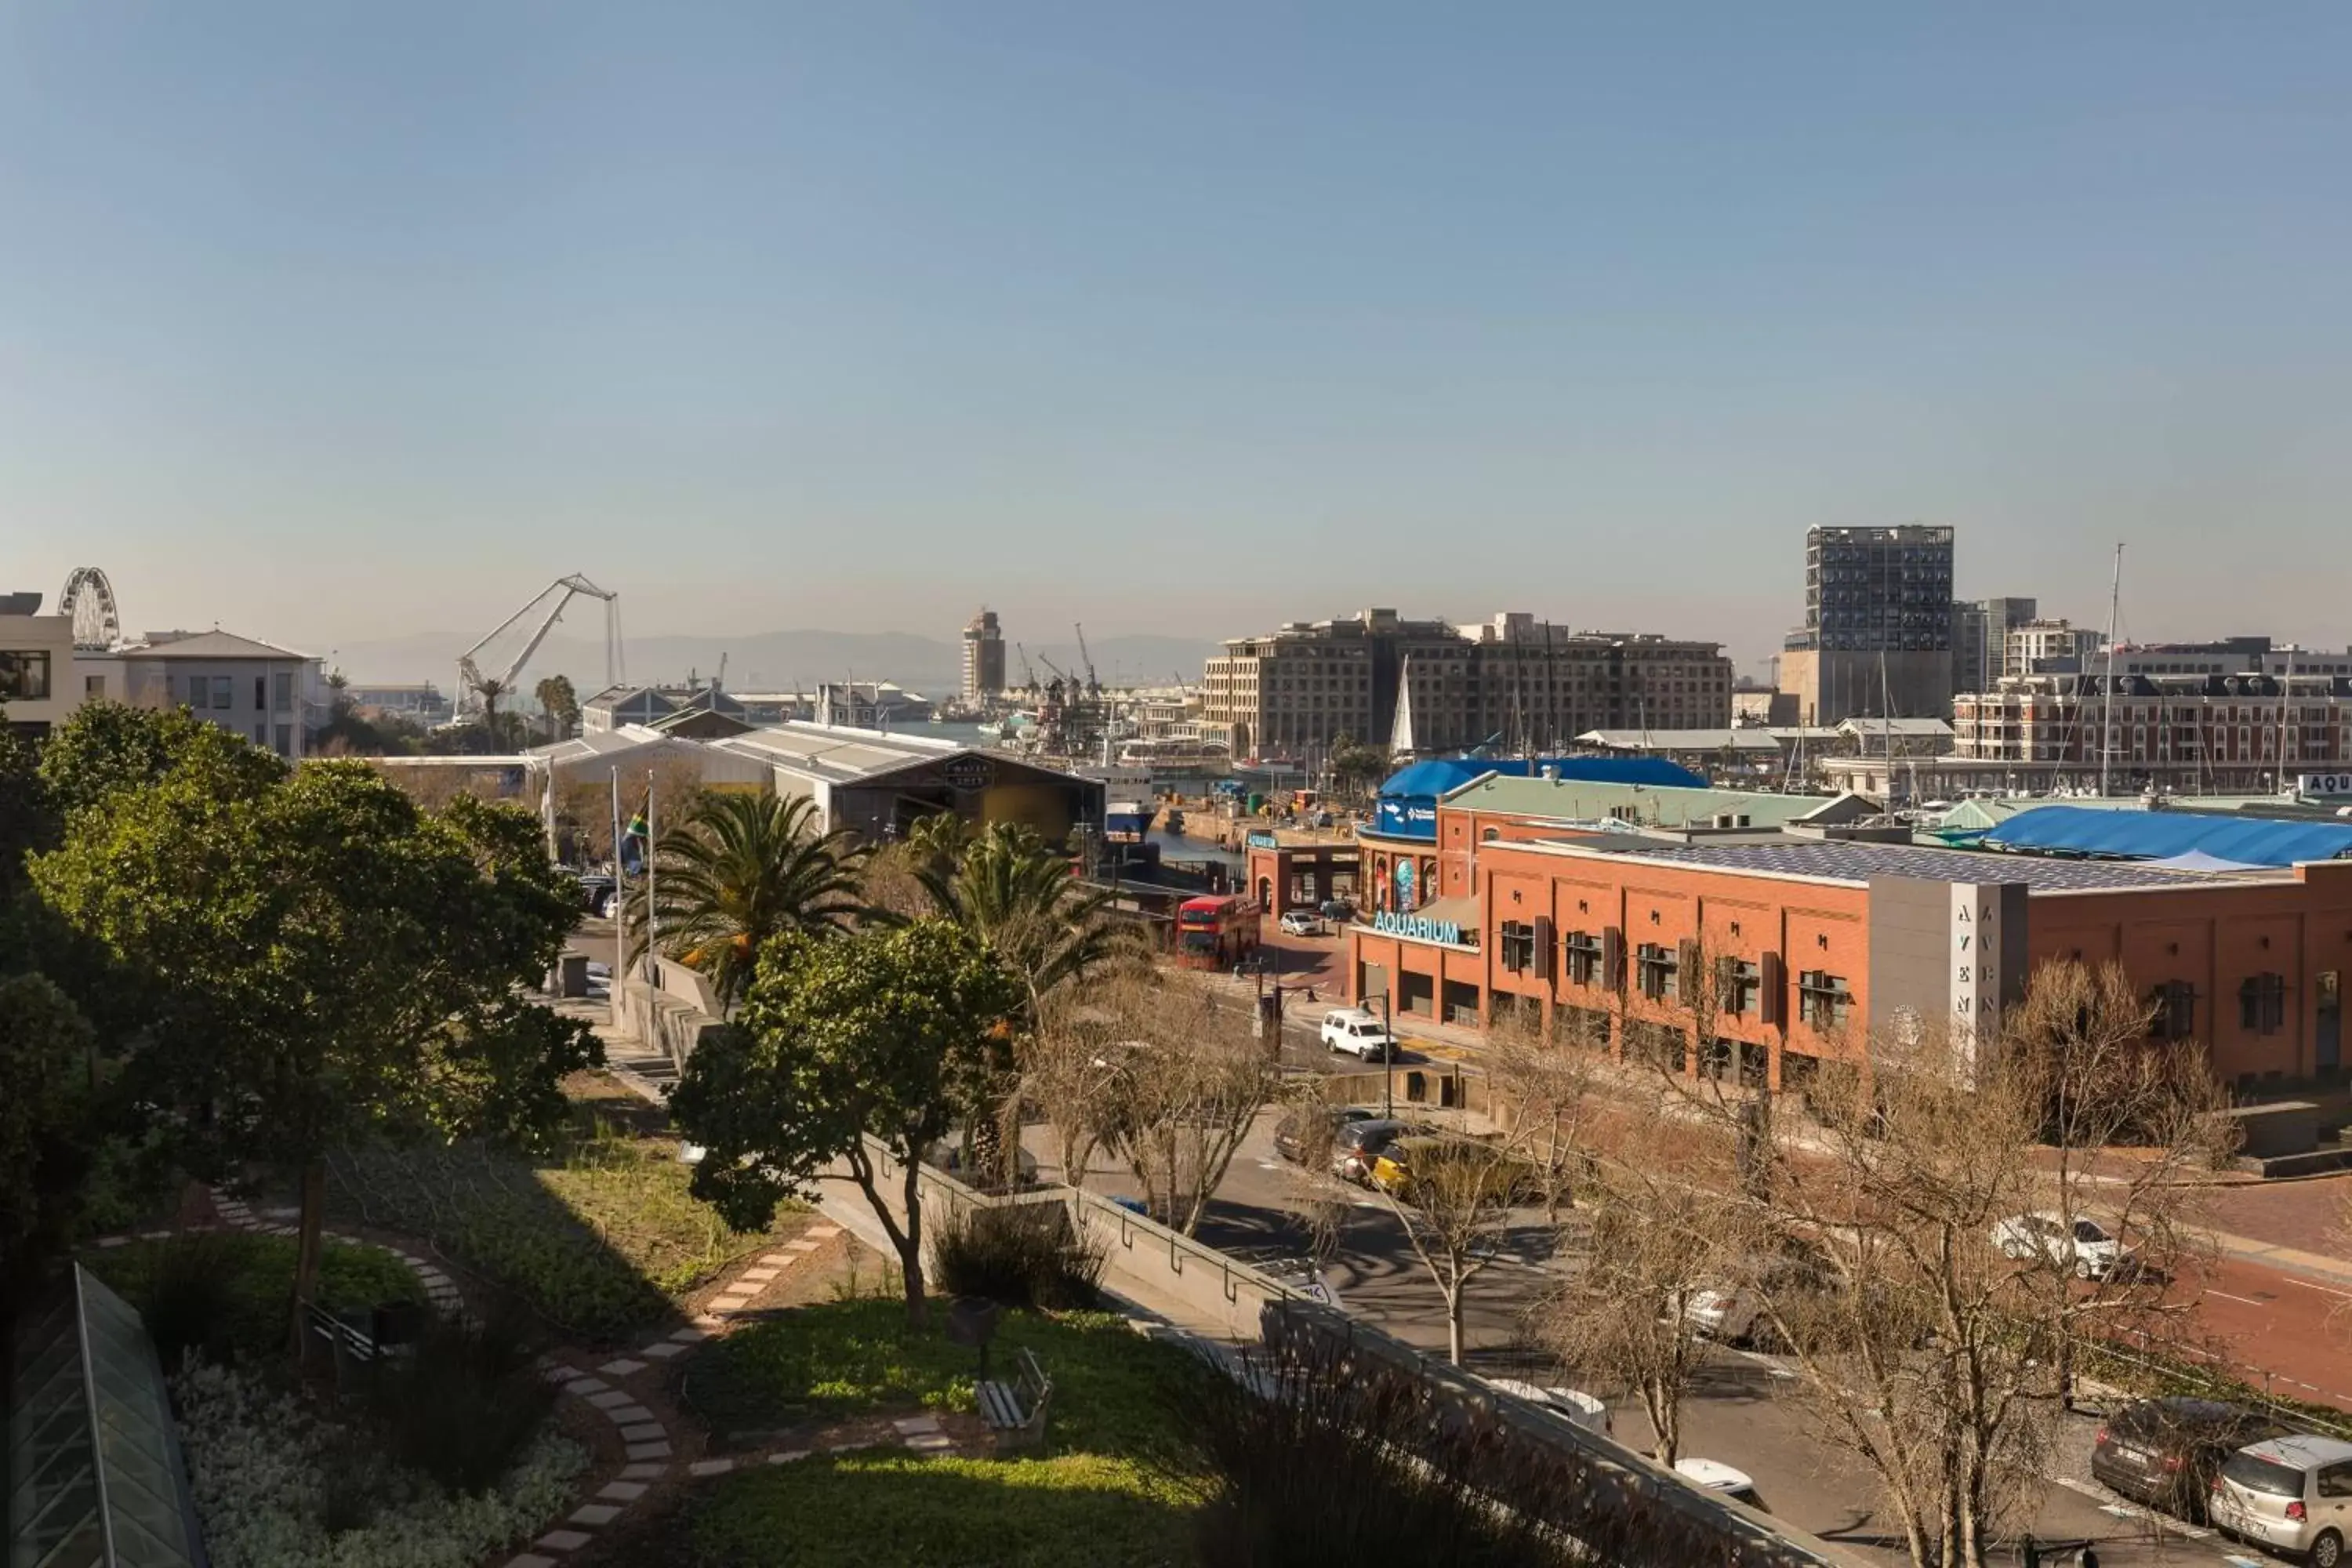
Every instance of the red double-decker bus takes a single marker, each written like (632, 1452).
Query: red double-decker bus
(1216, 932)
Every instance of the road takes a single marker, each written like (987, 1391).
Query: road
(1743, 1412)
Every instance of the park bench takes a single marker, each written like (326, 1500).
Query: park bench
(1015, 1411)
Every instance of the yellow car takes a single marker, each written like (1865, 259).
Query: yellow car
(1409, 1162)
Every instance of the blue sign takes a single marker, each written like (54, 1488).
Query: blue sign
(1259, 839)
(1406, 817)
(1421, 928)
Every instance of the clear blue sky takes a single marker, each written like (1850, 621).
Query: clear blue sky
(330, 321)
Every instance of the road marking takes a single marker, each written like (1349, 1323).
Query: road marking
(2108, 1503)
(2224, 1295)
(2321, 1289)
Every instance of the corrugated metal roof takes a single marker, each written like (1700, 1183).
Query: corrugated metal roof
(1845, 860)
(1591, 800)
(2161, 835)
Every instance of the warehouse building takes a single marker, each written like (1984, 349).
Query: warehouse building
(878, 785)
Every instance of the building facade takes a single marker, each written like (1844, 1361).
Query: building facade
(983, 658)
(1877, 637)
(271, 696)
(1981, 639)
(1513, 681)
(39, 684)
(2192, 733)
(2033, 647)
(1758, 963)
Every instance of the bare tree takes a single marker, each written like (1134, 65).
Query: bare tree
(1541, 1089)
(1660, 1234)
(1942, 1195)
(1186, 1079)
(1454, 1200)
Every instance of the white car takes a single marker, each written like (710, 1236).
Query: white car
(1718, 1477)
(1302, 922)
(2082, 1246)
(1357, 1033)
(2292, 1493)
(1572, 1405)
(1721, 1312)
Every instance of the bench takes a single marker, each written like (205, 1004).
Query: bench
(1015, 1411)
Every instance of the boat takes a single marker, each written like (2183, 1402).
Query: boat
(1125, 822)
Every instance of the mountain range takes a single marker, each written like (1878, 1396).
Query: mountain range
(788, 660)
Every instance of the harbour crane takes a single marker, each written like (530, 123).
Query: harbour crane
(1087, 661)
(479, 693)
(1028, 676)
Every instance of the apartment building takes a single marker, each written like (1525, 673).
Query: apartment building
(1514, 681)
(2035, 647)
(1877, 638)
(983, 658)
(39, 684)
(271, 696)
(1981, 639)
(2183, 732)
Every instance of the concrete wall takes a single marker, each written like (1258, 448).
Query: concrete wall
(673, 1013)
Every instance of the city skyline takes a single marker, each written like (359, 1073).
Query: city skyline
(332, 329)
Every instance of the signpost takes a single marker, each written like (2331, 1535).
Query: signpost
(968, 773)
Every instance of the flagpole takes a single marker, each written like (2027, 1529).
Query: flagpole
(653, 920)
(620, 909)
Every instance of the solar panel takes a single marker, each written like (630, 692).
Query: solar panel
(1848, 861)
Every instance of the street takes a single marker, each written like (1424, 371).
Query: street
(1742, 1412)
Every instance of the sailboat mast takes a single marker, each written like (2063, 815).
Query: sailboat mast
(2107, 701)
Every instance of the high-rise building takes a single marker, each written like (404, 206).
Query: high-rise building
(983, 658)
(1980, 638)
(1877, 638)
(1513, 682)
(2032, 646)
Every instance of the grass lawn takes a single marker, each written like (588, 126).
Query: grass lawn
(246, 1282)
(1103, 1493)
(599, 1237)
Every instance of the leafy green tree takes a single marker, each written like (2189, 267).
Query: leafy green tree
(1356, 769)
(560, 703)
(24, 816)
(321, 963)
(107, 748)
(890, 1033)
(48, 1132)
(741, 868)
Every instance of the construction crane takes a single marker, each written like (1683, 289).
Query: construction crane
(1028, 676)
(479, 693)
(1087, 661)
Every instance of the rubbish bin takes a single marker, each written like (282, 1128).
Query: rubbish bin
(571, 972)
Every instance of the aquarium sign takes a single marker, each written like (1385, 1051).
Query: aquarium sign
(1421, 928)
(967, 773)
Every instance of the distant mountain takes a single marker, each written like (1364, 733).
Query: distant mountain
(785, 661)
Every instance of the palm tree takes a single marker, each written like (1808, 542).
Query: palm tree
(1018, 898)
(740, 869)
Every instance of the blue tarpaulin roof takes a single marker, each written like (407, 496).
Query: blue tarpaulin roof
(1441, 775)
(2164, 835)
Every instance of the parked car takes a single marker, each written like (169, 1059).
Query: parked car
(1405, 1162)
(1718, 1477)
(1339, 911)
(1572, 1405)
(2294, 1493)
(1731, 1311)
(1311, 1129)
(1357, 1033)
(1302, 922)
(1355, 1146)
(2166, 1452)
(2082, 1244)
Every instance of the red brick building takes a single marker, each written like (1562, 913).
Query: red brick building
(1799, 948)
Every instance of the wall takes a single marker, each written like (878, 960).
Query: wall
(52, 637)
(671, 1014)
(164, 681)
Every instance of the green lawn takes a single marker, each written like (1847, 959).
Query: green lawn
(600, 1237)
(1102, 1493)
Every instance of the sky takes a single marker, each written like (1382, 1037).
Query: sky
(329, 321)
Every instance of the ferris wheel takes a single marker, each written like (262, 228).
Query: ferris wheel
(89, 598)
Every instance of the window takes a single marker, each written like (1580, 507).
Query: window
(281, 693)
(1655, 972)
(1822, 999)
(2335, 1480)
(199, 691)
(220, 691)
(1584, 952)
(261, 694)
(1519, 946)
(24, 675)
(1740, 985)
(93, 686)
(2261, 1004)
(2175, 1011)
(285, 741)
(1654, 1045)
(261, 736)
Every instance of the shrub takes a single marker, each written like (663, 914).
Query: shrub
(1031, 1256)
(465, 1402)
(226, 1295)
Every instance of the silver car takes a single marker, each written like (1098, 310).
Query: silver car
(2294, 1493)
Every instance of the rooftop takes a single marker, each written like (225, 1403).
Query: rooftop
(839, 753)
(1585, 800)
(1854, 864)
(1681, 739)
(205, 644)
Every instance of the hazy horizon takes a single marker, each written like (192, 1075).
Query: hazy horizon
(341, 326)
